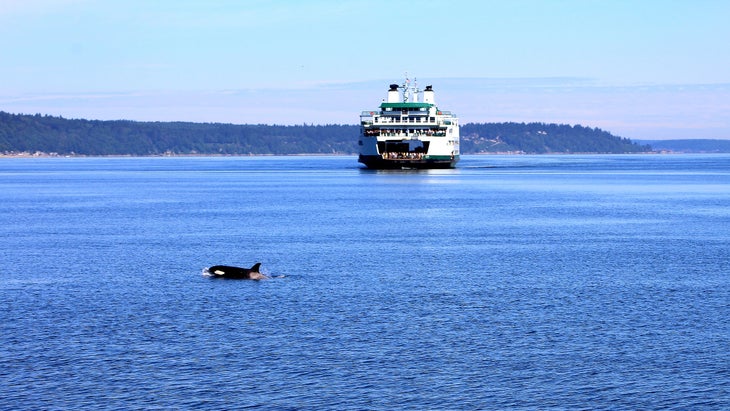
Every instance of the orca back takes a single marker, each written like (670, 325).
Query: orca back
(227, 271)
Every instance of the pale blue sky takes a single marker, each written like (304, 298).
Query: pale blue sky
(639, 68)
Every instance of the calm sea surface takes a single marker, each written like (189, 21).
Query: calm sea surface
(511, 282)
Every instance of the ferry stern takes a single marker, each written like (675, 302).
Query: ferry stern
(407, 133)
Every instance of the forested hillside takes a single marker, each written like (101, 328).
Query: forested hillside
(26, 133)
(21, 133)
(541, 138)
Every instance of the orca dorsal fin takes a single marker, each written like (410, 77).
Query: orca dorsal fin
(255, 267)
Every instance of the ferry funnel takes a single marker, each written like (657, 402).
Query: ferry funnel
(393, 96)
(428, 96)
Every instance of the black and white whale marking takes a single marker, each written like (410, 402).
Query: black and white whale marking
(227, 271)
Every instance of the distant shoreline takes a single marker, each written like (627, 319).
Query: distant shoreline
(51, 155)
(37, 135)
(54, 155)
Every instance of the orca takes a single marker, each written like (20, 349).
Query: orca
(238, 273)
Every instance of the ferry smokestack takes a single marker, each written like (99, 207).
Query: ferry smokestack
(428, 96)
(393, 96)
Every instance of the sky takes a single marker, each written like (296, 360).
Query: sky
(640, 69)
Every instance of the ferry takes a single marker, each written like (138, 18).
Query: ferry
(408, 131)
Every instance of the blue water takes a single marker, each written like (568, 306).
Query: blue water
(511, 282)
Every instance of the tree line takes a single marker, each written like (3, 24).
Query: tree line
(543, 138)
(23, 133)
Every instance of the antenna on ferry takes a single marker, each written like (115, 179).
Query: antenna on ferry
(406, 88)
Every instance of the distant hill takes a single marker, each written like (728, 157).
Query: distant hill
(48, 134)
(542, 138)
(22, 133)
(690, 146)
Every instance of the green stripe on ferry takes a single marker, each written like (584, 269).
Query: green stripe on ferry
(406, 105)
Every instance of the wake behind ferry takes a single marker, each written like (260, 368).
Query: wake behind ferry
(407, 133)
